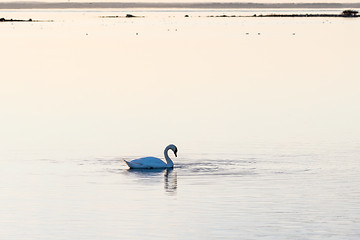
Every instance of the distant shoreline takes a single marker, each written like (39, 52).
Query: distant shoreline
(155, 5)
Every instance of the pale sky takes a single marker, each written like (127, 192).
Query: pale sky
(255, 1)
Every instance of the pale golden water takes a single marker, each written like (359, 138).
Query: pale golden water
(264, 113)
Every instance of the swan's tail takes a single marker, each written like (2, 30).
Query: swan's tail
(127, 163)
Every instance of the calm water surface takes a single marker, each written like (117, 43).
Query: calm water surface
(264, 113)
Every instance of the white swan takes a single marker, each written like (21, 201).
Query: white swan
(153, 162)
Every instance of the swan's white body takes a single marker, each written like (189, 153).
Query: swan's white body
(153, 162)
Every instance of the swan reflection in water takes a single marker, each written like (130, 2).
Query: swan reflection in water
(170, 180)
(149, 176)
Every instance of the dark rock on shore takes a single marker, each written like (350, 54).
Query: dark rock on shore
(349, 13)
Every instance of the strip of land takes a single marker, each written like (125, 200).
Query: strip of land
(346, 14)
(287, 15)
(23, 20)
(155, 5)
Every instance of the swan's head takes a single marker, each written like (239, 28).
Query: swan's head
(173, 148)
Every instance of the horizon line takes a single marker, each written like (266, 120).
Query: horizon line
(179, 5)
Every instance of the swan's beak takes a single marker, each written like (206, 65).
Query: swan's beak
(175, 154)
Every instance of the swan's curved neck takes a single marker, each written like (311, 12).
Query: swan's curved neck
(169, 162)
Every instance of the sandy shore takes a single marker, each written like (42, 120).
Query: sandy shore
(198, 5)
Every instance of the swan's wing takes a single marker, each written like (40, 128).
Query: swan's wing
(132, 164)
(146, 162)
